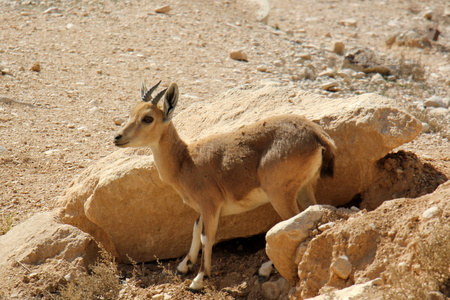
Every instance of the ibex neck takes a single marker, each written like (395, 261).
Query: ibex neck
(169, 154)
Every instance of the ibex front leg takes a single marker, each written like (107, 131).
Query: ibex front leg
(191, 257)
(208, 238)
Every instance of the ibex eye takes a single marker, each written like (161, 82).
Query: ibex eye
(147, 119)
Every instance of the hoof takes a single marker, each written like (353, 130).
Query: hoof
(196, 286)
(178, 272)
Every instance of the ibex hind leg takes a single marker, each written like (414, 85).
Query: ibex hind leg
(284, 202)
(305, 196)
(191, 257)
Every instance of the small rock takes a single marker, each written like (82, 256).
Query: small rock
(342, 267)
(330, 86)
(51, 151)
(238, 55)
(347, 73)
(118, 121)
(426, 128)
(432, 212)
(328, 72)
(428, 14)
(53, 10)
(348, 22)
(262, 68)
(435, 295)
(273, 289)
(264, 271)
(70, 26)
(326, 226)
(435, 101)
(94, 102)
(305, 55)
(3, 149)
(278, 63)
(71, 126)
(36, 67)
(338, 48)
(377, 79)
(163, 9)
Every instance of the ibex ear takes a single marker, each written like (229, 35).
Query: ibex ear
(170, 101)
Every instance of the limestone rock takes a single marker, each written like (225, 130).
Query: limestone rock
(36, 67)
(163, 9)
(42, 237)
(275, 289)
(121, 201)
(342, 267)
(338, 48)
(435, 101)
(265, 270)
(238, 55)
(284, 238)
(432, 212)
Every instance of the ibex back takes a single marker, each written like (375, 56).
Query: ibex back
(277, 160)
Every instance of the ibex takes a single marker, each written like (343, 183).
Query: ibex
(277, 160)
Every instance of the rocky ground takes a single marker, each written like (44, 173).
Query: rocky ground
(71, 70)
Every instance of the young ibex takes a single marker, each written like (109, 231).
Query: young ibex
(277, 160)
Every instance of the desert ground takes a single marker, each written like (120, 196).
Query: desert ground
(71, 71)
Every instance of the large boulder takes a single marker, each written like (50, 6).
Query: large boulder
(122, 202)
(43, 237)
(285, 237)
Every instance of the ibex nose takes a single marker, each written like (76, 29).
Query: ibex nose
(117, 138)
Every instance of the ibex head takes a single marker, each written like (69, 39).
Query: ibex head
(147, 120)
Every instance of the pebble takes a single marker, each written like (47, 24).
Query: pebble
(428, 14)
(436, 295)
(3, 149)
(348, 22)
(305, 55)
(278, 63)
(426, 128)
(338, 48)
(330, 86)
(238, 55)
(273, 289)
(377, 79)
(36, 67)
(342, 267)
(435, 101)
(432, 212)
(265, 270)
(328, 72)
(118, 121)
(347, 73)
(163, 9)
(53, 10)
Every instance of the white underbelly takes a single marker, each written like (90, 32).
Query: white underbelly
(253, 199)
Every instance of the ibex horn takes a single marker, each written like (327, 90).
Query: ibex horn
(147, 95)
